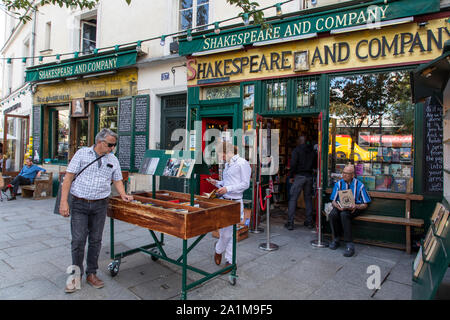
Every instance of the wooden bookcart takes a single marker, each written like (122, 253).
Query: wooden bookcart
(157, 212)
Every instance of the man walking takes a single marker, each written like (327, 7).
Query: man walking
(90, 192)
(301, 177)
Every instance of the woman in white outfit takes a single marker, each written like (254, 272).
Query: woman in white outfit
(236, 179)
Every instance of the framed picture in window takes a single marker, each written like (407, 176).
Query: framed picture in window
(301, 61)
(78, 109)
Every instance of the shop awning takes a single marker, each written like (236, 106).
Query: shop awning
(77, 67)
(431, 78)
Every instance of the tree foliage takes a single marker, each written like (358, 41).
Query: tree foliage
(22, 9)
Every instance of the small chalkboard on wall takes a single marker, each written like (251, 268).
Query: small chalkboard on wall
(133, 130)
(433, 149)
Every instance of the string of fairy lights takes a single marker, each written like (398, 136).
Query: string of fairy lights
(162, 38)
(188, 33)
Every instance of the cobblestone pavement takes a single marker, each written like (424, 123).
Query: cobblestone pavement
(35, 254)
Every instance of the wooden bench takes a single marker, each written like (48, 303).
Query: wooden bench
(41, 188)
(406, 221)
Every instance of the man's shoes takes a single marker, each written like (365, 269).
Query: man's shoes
(334, 244)
(349, 250)
(12, 198)
(94, 281)
(229, 270)
(217, 258)
(289, 226)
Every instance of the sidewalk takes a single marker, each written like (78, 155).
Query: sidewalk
(35, 253)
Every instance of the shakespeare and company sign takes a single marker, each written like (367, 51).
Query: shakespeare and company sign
(80, 67)
(389, 46)
(371, 14)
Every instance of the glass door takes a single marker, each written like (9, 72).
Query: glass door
(16, 135)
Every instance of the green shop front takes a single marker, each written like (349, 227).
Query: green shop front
(342, 82)
(74, 99)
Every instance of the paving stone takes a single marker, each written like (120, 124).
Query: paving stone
(29, 290)
(337, 290)
(391, 290)
(25, 249)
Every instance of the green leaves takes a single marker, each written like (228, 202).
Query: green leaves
(23, 9)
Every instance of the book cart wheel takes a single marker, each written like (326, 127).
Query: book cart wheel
(155, 258)
(113, 267)
(232, 280)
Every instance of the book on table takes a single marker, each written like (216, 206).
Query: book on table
(418, 263)
(210, 195)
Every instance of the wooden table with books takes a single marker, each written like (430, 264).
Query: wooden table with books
(171, 213)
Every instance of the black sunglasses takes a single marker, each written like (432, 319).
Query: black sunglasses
(111, 144)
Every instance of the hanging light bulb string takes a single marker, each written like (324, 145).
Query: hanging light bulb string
(245, 16)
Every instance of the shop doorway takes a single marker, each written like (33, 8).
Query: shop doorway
(15, 140)
(173, 116)
(290, 128)
(221, 124)
(81, 136)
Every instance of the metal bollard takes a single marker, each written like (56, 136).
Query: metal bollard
(257, 228)
(268, 246)
(319, 243)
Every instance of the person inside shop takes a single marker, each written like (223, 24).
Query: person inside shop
(26, 176)
(303, 162)
(341, 219)
(5, 160)
(236, 179)
(90, 192)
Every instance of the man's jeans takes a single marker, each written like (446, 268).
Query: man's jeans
(19, 181)
(341, 223)
(305, 184)
(87, 222)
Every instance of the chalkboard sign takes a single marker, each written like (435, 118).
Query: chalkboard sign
(124, 151)
(433, 148)
(37, 156)
(125, 114)
(141, 109)
(140, 146)
(133, 131)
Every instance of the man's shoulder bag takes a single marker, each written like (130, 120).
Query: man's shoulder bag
(69, 197)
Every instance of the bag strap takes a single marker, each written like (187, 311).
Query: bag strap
(87, 167)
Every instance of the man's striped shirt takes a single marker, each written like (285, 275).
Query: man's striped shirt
(357, 187)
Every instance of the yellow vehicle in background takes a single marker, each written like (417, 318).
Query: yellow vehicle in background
(344, 148)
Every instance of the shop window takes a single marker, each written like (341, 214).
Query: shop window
(222, 92)
(108, 117)
(372, 127)
(276, 95)
(88, 36)
(306, 91)
(59, 134)
(194, 14)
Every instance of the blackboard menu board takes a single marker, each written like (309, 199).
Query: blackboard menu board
(433, 148)
(37, 157)
(125, 114)
(141, 107)
(133, 131)
(124, 155)
(140, 146)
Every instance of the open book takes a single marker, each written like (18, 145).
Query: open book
(210, 195)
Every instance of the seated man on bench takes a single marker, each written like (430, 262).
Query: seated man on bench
(341, 219)
(26, 176)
